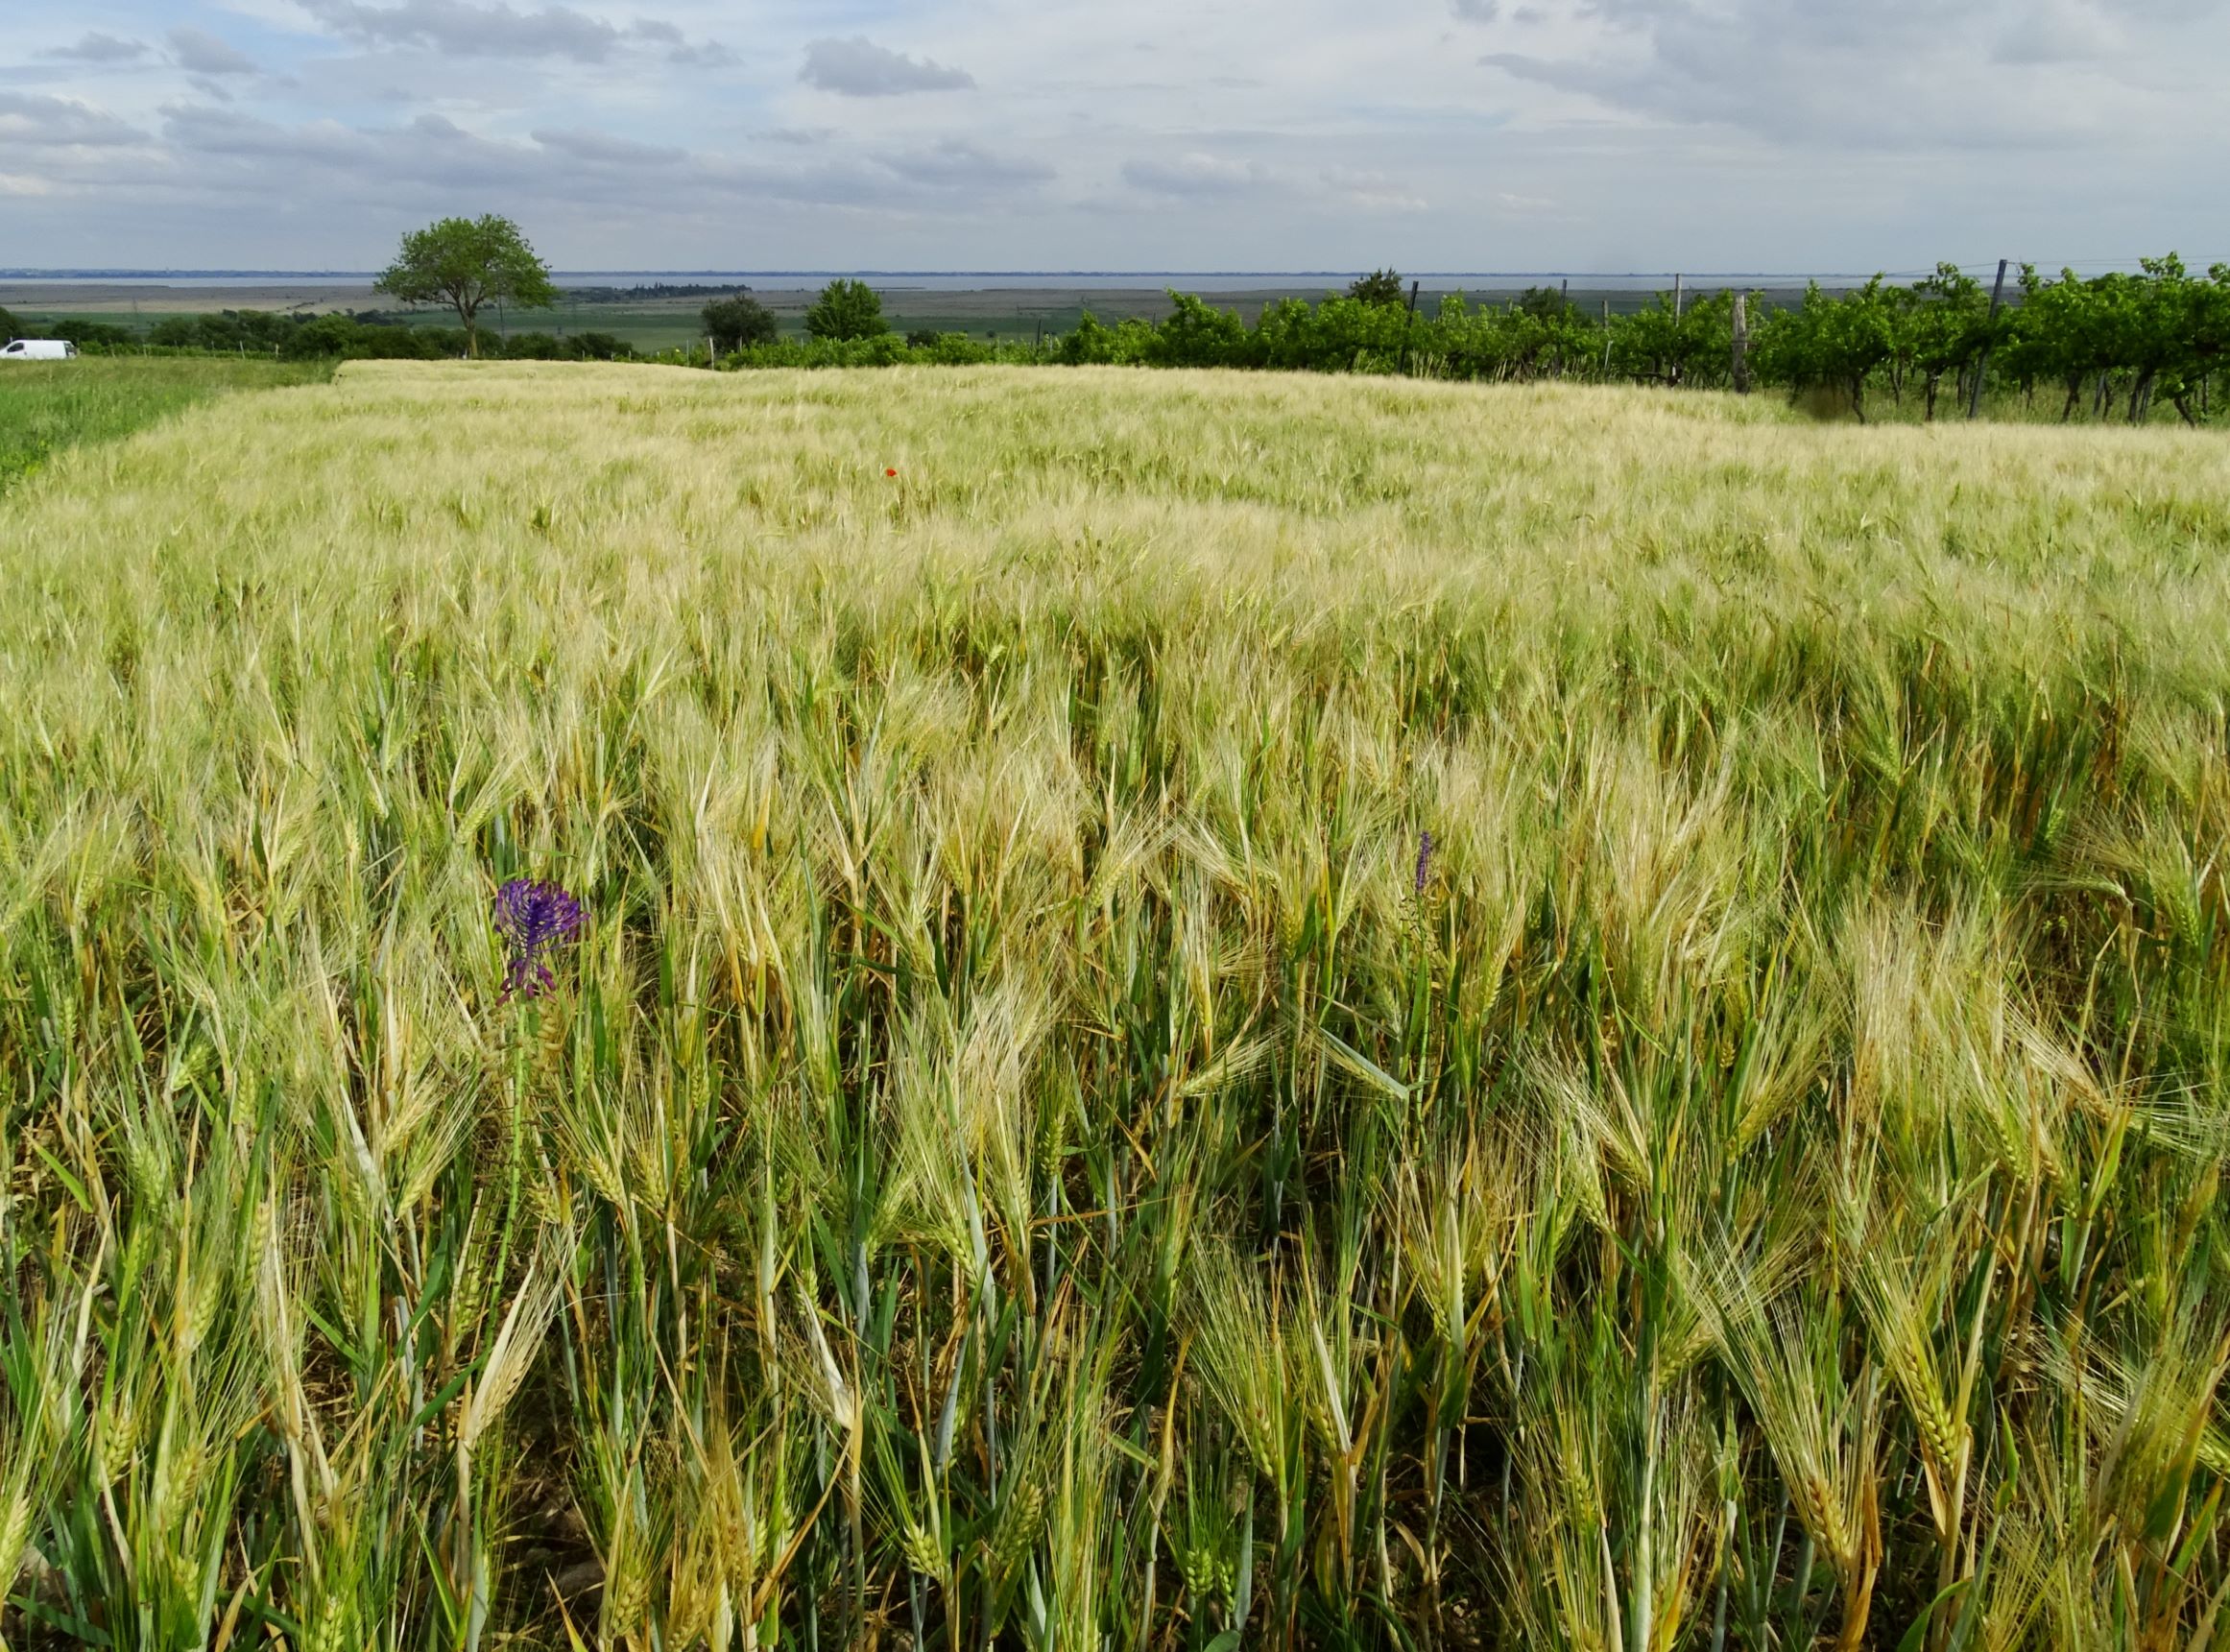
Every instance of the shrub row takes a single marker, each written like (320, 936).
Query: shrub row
(336, 336)
(2126, 341)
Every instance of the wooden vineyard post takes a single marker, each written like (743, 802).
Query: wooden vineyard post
(1404, 368)
(1606, 339)
(1982, 361)
(1679, 295)
(1742, 344)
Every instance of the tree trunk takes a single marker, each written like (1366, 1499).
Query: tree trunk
(2141, 395)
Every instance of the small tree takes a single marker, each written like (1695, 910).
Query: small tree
(738, 322)
(1198, 334)
(11, 328)
(1545, 303)
(1379, 287)
(847, 309)
(1946, 327)
(469, 263)
(1829, 343)
(1658, 345)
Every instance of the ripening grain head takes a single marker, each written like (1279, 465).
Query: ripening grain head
(1409, 970)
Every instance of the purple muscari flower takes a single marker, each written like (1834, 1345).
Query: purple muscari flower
(532, 918)
(1424, 858)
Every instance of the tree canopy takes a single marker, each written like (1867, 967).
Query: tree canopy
(467, 264)
(847, 309)
(1379, 287)
(739, 321)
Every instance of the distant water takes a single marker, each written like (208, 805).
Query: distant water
(945, 280)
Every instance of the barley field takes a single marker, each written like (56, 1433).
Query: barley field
(1230, 1012)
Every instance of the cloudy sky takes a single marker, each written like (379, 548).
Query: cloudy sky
(1153, 135)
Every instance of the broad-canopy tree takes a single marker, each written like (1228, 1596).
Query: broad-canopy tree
(738, 322)
(467, 264)
(847, 309)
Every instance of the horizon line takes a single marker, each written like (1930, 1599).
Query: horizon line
(119, 272)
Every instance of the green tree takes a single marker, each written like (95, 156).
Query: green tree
(1379, 287)
(847, 309)
(467, 264)
(92, 335)
(11, 328)
(2174, 334)
(1945, 329)
(738, 322)
(1693, 346)
(1829, 343)
(1198, 334)
(2209, 342)
(331, 335)
(2048, 335)
(1544, 304)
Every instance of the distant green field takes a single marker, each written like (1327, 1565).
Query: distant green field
(47, 406)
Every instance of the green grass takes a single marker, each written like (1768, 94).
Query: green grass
(47, 407)
(1033, 1148)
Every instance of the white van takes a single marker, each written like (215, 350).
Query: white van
(39, 350)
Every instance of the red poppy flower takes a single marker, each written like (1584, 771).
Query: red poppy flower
(890, 472)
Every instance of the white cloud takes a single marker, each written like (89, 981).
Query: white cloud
(1373, 191)
(2057, 32)
(859, 68)
(496, 31)
(954, 164)
(600, 149)
(1886, 77)
(1196, 174)
(1781, 134)
(202, 53)
(95, 47)
(36, 122)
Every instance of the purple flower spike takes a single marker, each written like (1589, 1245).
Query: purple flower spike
(1424, 859)
(533, 917)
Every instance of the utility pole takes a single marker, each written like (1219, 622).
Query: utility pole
(1679, 295)
(1982, 361)
(1742, 344)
